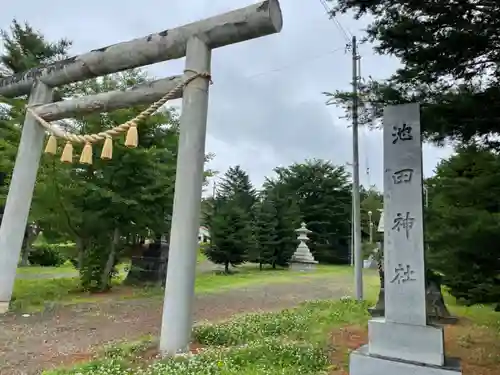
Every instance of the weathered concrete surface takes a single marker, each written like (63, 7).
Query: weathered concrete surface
(145, 93)
(243, 24)
(17, 206)
(181, 271)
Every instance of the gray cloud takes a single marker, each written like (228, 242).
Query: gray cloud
(266, 107)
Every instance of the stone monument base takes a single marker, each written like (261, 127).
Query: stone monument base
(362, 363)
(414, 343)
(296, 266)
(4, 307)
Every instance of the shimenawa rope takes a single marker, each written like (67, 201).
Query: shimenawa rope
(130, 127)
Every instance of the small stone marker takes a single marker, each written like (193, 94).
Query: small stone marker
(302, 259)
(402, 342)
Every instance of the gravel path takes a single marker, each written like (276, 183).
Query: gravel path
(45, 340)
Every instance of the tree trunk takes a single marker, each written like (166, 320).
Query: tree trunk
(25, 254)
(260, 266)
(226, 267)
(110, 263)
(80, 248)
(150, 266)
(29, 237)
(379, 308)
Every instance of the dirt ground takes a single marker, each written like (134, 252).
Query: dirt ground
(477, 347)
(31, 344)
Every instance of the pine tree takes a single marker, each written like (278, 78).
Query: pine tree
(266, 233)
(322, 193)
(229, 230)
(463, 224)
(288, 214)
(278, 216)
(231, 219)
(236, 185)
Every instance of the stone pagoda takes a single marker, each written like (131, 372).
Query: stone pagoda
(302, 259)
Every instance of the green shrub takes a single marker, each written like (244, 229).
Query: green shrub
(48, 255)
(93, 267)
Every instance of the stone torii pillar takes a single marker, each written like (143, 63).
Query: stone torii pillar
(195, 41)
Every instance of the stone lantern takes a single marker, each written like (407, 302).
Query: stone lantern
(302, 259)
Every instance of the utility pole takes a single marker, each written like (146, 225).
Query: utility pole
(352, 236)
(358, 260)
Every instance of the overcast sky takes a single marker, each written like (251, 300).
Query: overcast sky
(266, 104)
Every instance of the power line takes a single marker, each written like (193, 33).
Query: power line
(346, 34)
(284, 67)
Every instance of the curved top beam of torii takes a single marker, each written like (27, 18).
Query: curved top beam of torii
(254, 21)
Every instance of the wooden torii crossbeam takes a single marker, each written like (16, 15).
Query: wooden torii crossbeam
(195, 41)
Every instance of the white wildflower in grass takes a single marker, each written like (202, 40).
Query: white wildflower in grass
(252, 327)
(263, 355)
(103, 367)
(290, 342)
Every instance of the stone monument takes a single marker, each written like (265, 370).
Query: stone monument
(302, 259)
(402, 342)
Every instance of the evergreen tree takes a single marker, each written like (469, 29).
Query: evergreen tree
(322, 194)
(229, 234)
(288, 218)
(236, 185)
(278, 216)
(458, 88)
(463, 224)
(26, 48)
(231, 219)
(266, 229)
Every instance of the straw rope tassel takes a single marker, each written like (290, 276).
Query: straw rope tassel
(86, 156)
(51, 147)
(67, 155)
(107, 149)
(132, 138)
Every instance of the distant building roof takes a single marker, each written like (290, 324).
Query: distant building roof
(204, 231)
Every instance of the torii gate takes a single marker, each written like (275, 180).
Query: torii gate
(195, 41)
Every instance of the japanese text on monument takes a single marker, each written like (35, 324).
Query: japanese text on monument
(403, 274)
(402, 176)
(401, 133)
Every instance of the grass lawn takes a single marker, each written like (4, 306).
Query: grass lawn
(315, 338)
(35, 295)
(69, 268)
(37, 270)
